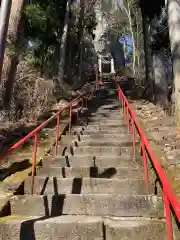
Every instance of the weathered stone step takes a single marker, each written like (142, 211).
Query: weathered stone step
(135, 229)
(53, 185)
(108, 115)
(94, 172)
(83, 228)
(56, 228)
(99, 150)
(105, 112)
(121, 138)
(87, 204)
(106, 118)
(96, 135)
(72, 149)
(90, 161)
(96, 142)
(101, 112)
(74, 143)
(108, 104)
(104, 143)
(91, 131)
(104, 126)
(106, 122)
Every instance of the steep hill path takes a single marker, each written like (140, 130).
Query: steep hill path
(98, 185)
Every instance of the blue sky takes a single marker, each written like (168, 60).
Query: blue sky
(128, 41)
(30, 44)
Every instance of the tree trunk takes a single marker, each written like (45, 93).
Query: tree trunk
(128, 13)
(174, 34)
(5, 9)
(137, 48)
(62, 58)
(124, 46)
(77, 83)
(160, 80)
(15, 42)
(81, 40)
(147, 56)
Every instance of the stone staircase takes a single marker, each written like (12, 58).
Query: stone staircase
(93, 191)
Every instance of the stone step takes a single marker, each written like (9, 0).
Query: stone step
(98, 150)
(87, 204)
(107, 138)
(53, 185)
(104, 126)
(90, 161)
(105, 113)
(112, 106)
(95, 110)
(83, 228)
(71, 149)
(94, 172)
(106, 118)
(102, 112)
(91, 131)
(56, 228)
(75, 144)
(97, 136)
(109, 122)
(135, 229)
(103, 143)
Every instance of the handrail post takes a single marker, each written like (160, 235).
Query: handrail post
(168, 216)
(128, 123)
(70, 117)
(57, 133)
(133, 138)
(125, 119)
(120, 96)
(122, 103)
(34, 162)
(145, 166)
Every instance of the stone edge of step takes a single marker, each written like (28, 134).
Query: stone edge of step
(71, 225)
(145, 205)
(41, 182)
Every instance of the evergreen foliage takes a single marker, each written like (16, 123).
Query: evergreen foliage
(44, 24)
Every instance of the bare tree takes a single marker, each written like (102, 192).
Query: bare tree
(14, 48)
(160, 80)
(128, 7)
(147, 52)
(174, 34)
(62, 55)
(5, 9)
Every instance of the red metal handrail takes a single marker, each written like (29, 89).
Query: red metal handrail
(170, 201)
(35, 132)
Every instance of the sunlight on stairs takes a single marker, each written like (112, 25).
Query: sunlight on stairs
(95, 191)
